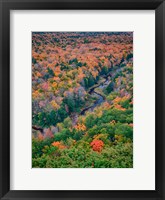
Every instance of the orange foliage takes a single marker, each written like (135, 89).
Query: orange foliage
(131, 125)
(59, 145)
(106, 105)
(119, 107)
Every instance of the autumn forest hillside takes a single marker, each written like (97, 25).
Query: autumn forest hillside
(82, 99)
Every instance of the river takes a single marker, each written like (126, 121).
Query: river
(100, 98)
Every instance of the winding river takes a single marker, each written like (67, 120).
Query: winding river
(100, 98)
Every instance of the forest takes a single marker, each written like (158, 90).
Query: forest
(82, 99)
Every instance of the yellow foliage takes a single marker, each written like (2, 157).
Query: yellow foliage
(54, 105)
(35, 94)
(80, 127)
(54, 85)
(113, 122)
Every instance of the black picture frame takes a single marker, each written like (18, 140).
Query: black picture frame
(5, 7)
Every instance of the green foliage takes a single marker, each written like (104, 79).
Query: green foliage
(90, 81)
(125, 104)
(104, 70)
(50, 71)
(110, 87)
(112, 96)
(124, 129)
(37, 146)
(79, 64)
(56, 39)
(90, 120)
(82, 156)
(86, 41)
(73, 61)
(46, 119)
(74, 103)
(34, 60)
(129, 56)
(63, 135)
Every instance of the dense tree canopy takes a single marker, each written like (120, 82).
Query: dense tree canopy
(82, 99)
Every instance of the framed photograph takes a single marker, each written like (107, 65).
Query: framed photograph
(82, 99)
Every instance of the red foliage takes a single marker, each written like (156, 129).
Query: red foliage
(48, 133)
(97, 145)
(40, 136)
